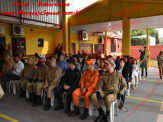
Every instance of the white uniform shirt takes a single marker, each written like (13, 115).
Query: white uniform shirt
(19, 68)
(135, 67)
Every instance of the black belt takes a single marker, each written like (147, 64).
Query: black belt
(41, 80)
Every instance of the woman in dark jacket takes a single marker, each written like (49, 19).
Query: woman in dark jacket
(125, 72)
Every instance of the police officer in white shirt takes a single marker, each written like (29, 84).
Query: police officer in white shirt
(15, 73)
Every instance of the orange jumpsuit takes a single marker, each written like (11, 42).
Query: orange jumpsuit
(88, 80)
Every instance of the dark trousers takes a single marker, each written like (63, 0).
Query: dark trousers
(23, 61)
(8, 77)
(123, 98)
(57, 94)
(145, 70)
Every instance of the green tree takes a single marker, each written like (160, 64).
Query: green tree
(138, 32)
(152, 32)
(138, 41)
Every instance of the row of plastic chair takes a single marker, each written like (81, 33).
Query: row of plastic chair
(113, 110)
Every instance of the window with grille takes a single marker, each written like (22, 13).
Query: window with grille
(113, 48)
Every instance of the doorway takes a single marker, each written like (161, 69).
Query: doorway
(73, 48)
(15, 42)
(2, 43)
(99, 47)
(86, 48)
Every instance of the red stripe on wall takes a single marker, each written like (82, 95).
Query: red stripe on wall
(154, 51)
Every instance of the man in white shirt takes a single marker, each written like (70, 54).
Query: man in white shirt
(15, 73)
(18, 67)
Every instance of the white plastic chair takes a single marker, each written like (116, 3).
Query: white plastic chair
(91, 107)
(27, 93)
(12, 84)
(139, 75)
(129, 89)
(44, 94)
(64, 100)
(64, 96)
(113, 111)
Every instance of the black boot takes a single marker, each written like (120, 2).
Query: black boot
(146, 74)
(34, 99)
(68, 109)
(38, 101)
(108, 116)
(160, 77)
(48, 104)
(60, 106)
(85, 115)
(31, 98)
(75, 112)
(142, 73)
(102, 115)
(22, 94)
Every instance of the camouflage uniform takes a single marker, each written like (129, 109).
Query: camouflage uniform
(52, 75)
(20, 52)
(6, 69)
(39, 79)
(160, 65)
(27, 75)
(108, 87)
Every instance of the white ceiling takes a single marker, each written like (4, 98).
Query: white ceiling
(140, 23)
(78, 5)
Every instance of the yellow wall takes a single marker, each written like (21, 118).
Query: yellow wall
(51, 39)
(75, 38)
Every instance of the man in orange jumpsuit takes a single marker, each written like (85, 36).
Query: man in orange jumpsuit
(88, 85)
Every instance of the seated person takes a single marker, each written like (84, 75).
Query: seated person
(53, 76)
(88, 84)
(62, 63)
(38, 81)
(117, 61)
(124, 70)
(26, 75)
(86, 57)
(69, 83)
(79, 54)
(48, 59)
(109, 87)
(84, 67)
(98, 64)
(14, 74)
(103, 67)
(6, 69)
(37, 58)
(77, 62)
(56, 57)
